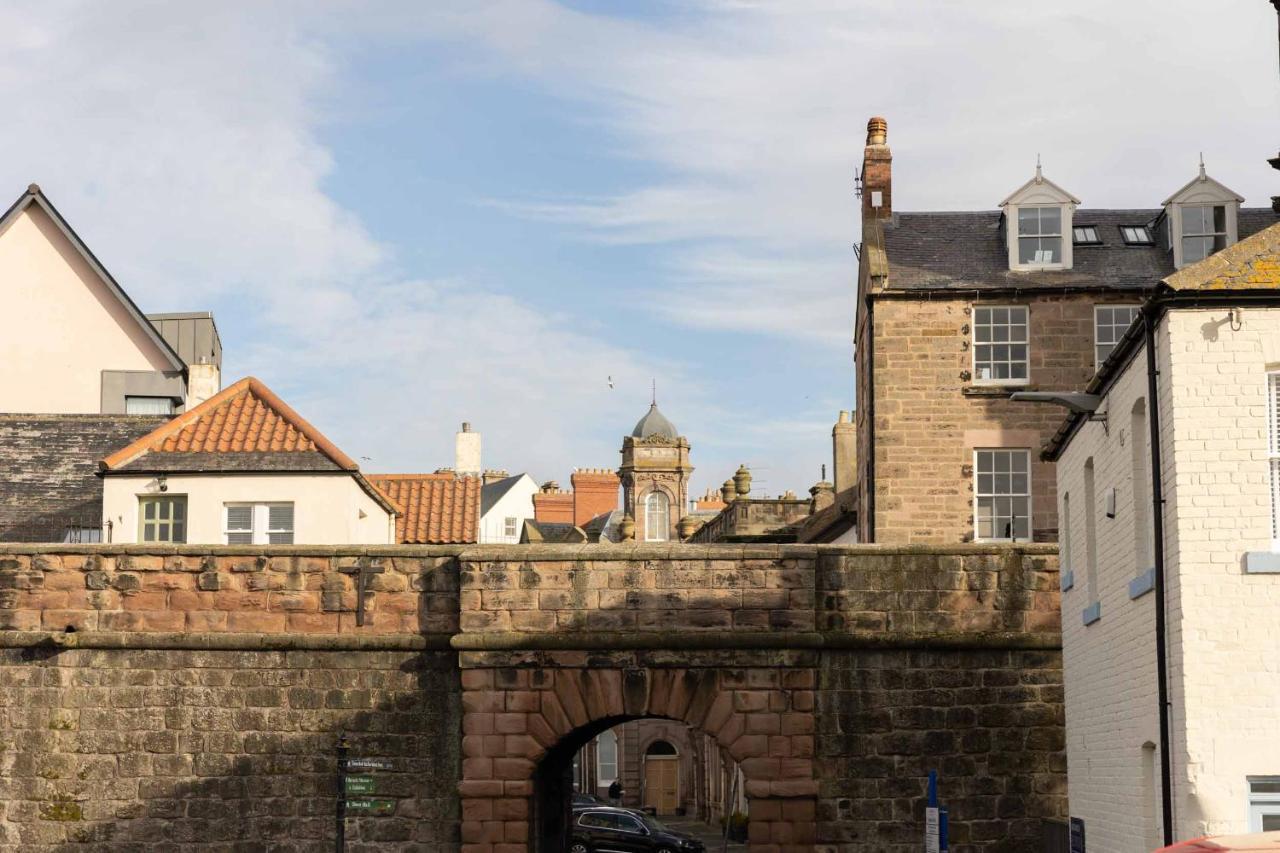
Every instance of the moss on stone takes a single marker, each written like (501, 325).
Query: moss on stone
(61, 808)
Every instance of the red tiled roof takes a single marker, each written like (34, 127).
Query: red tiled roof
(244, 418)
(435, 509)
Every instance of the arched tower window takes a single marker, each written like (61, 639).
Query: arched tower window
(657, 517)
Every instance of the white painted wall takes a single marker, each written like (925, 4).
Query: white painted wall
(327, 507)
(1224, 624)
(59, 325)
(517, 503)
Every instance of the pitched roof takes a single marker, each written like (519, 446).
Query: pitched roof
(551, 531)
(48, 466)
(491, 493)
(966, 251)
(35, 196)
(1251, 264)
(435, 509)
(244, 418)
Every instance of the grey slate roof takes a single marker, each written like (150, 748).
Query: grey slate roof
(966, 251)
(491, 493)
(201, 462)
(48, 467)
(654, 423)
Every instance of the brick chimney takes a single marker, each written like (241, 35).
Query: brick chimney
(553, 504)
(877, 162)
(844, 446)
(595, 492)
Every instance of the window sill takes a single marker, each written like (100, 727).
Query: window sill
(1142, 584)
(1092, 613)
(994, 389)
(1262, 563)
(1068, 580)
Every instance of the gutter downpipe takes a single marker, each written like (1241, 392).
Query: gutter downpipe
(1150, 317)
(871, 418)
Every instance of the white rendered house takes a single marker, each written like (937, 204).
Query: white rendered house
(1195, 546)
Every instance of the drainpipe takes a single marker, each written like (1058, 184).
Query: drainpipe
(1150, 317)
(870, 485)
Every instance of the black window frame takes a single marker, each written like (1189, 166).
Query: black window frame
(1093, 229)
(1145, 229)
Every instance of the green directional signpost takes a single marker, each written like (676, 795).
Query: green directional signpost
(355, 790)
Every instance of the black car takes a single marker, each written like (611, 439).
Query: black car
(610, 830)
(580, 800)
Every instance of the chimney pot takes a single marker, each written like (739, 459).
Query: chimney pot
(466, 426)
(877, 131)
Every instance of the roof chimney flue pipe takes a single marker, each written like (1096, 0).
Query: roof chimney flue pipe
(466, 457)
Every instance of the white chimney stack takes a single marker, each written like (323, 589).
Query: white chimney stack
(204, 380)
(466, 457)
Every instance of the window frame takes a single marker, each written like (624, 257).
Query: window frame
(1094, 240)
(1186, 233)
(648, 517)
(978, 495)
(173, 518)
(1025, 343)
(1149, 240)
(260, 529)
(510, 527)
(1273, 453)
(172, 406)
(601, 778)
(1262, 803)
(1041, 235)
(1110, 306)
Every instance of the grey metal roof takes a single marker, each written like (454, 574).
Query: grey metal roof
(966, 251)
(654, 423)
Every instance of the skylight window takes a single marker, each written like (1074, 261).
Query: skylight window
(1086, 235)
(1136, 235)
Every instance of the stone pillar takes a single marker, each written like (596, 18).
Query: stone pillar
(844, 447)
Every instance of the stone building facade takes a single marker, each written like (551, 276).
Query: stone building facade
(156, 698)
(958, 310)
(1216, 333)
(655, 475)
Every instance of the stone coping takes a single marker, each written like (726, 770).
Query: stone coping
(602, 641)
(512, 553)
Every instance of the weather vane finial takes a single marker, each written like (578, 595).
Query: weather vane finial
(654, 383)
(1038, 175)
(1202, 165)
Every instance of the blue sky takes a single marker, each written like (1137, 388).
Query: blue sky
(407, 215)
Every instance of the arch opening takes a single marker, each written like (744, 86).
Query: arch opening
(677, 775)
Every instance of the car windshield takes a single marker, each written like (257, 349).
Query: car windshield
(652, 823)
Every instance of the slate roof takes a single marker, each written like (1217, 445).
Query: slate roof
(493, 492)
(551, 531)
(966, 251)
(435, 509)
(48, 470)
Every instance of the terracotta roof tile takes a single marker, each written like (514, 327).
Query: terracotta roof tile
(244, 418)
(435, 509)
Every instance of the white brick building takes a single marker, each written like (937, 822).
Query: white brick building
(1216, 331)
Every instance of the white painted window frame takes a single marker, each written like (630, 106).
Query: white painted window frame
(1262, 804)
(663, 531)
(1064, 225)
(510, 527)
(1026, 342)
(171, 520)
(1097, 362)
(1273, 453)
(602, 778)
(260, 529)
(978, 495)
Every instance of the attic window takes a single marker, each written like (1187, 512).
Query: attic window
(1039, 236)
(1086, 235)
(1136, 235)
(1204, 231)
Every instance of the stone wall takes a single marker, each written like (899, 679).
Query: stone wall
(929, 414)
(197, 698)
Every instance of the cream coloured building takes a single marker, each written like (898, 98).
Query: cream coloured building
(242, 468)
(1207, 530)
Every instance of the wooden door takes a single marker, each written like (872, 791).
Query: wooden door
(662, 784)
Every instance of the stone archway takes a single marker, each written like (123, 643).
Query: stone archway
(522, 725)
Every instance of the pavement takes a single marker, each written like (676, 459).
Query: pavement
(711, 836)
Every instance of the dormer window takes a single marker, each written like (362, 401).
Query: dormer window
(1037, 226)
(1200, 219)
(1039, 236)
(1204, 231)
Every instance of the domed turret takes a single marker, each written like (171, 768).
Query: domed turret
(654, 423)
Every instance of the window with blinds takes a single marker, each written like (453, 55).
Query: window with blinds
(258, 524)
(1273, 451)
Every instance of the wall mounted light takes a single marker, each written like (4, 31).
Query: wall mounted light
(163, 482)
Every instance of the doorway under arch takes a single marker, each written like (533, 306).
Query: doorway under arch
(662, 783)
